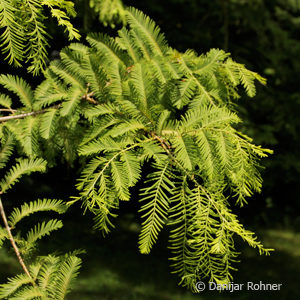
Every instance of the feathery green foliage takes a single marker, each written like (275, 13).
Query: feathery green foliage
(51, 276)
(35, 206)
(155, 211)
(24, 166)
(25, 37)
(133, 103)
(47, 277)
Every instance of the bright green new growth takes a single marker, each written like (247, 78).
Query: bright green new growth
(132, 102)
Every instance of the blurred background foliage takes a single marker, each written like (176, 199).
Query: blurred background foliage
(262, 34)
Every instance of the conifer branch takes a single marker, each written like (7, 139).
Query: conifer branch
(148, 102)
(13, 243)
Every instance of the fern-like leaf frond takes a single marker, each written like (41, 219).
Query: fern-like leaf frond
(6, 150)
(48, 123)
(67, 272)
(20, 87)
(12, 40)
(147, 30)
(41, 230)
(15, 283)
(155, 199)
(24, 166)
(35, 206)
(5, 101)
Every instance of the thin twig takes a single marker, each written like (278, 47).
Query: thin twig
(24, 115)
(8, 110)
(13, 243)
(89, 96)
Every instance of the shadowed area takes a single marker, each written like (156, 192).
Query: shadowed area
(114, 269)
